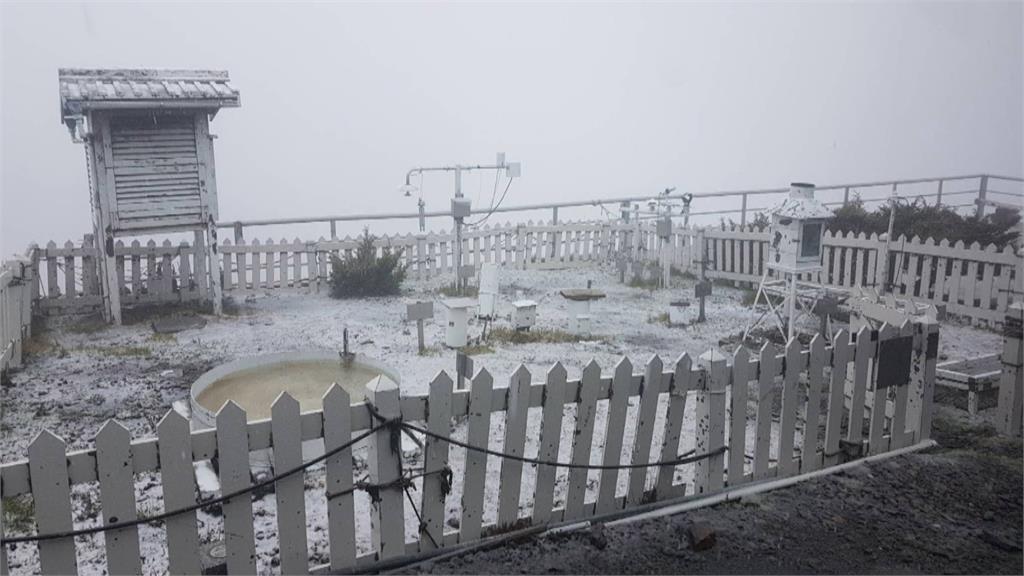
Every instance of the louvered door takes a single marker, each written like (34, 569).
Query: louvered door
(157, 174)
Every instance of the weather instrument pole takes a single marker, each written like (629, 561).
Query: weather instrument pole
(887, 285)
(461, 207)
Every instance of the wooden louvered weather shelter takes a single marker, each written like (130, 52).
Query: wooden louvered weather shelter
(150, 158)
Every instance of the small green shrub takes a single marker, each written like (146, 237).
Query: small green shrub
(19, 515)
(639, 281)
(760, 221)
(451, 291)
(646, 275)
(928, 221)
(662, 318)
(365, 273)
(538, 335)
(476, 349)
(118, 351)
(684, 274)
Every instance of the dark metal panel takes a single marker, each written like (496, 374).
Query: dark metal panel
(894, 362)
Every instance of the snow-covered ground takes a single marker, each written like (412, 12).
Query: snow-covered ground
(80, 378)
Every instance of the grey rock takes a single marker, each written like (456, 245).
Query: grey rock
(702, 536)
(596, 536)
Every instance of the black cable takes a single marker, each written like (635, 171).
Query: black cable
(500, 200)
(197, 505)
(402, 481)
(678, 461)
(494, 191)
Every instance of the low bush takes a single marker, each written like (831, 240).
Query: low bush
(365, 273)
(928, 221)
(538, 336)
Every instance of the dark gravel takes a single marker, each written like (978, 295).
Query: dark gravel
(955, 509)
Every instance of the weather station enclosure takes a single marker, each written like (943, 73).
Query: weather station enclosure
(797, 231)
(797, 235)
(149, 156)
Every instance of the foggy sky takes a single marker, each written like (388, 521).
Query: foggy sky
(339, 100)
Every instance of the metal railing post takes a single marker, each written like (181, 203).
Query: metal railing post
(846, 196)
(938, 195)
(982, 194)
(743, 211)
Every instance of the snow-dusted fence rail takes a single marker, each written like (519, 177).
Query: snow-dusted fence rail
(971, 281)
(17, 288)
(593, 447)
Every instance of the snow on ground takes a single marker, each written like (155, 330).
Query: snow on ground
(81, 378)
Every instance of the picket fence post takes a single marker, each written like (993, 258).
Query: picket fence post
(51, 491)
(233, 457)
(647, 409)
(341, 526)
(286, 436)
(682, 382)
(179, 487)
(3, 549)
(117, 497)
(582, 439)
(478, 431)
(618, 403)
(738, 399)
(708, 474)
(387, 518)
(1011, 384)
(550, 438)
(435, 461)
(515, 438)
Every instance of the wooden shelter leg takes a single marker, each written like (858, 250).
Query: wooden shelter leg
(108, 275)
(213, 253)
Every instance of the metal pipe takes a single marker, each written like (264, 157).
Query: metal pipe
(580, 203)
(649, 511)
(766, 486)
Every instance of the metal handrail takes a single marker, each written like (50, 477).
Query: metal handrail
(743, 194)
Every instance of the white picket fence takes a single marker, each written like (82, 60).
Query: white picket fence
(16, 285)
(971, 281)
(862, 395)
(174, 273)
(974, 282)
(150, 273)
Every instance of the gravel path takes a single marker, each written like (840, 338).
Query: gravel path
(952, 509)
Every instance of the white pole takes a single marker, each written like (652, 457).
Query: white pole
(792, 306)
(458, 233)
(888, 239)
(212, 249)
(666, 271)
